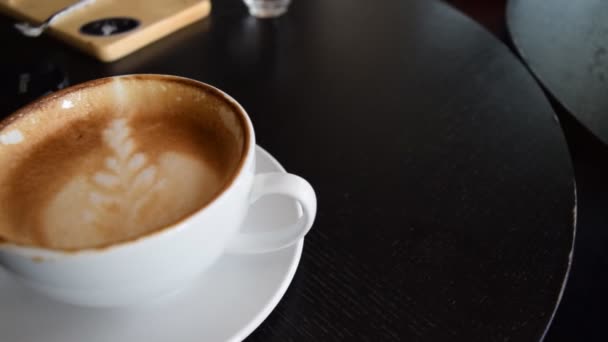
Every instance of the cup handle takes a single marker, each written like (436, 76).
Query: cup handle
(285, 184)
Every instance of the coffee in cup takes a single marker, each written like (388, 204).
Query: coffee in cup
(125, 188)
(122, 164)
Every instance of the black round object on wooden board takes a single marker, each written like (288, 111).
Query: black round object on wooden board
(446, 193)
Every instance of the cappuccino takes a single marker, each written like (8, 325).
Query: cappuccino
(115, 159)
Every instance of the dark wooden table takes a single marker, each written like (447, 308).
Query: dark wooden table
(446, 192)
(565, 45)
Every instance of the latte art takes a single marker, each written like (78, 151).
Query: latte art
(118, 200)
(126, 184)
(96, 178)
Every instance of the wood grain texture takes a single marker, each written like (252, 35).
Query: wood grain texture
(445, 188)
(158, 18)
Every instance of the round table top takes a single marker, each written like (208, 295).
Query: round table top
(445, 189)
(565, 43)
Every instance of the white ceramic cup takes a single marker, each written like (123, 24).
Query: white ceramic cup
(165, 261)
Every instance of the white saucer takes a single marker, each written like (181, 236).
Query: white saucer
(226, 304)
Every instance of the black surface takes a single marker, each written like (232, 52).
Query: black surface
(109, 26)
(580, 316)
(565, 43)
(445, 187)
(24, 82)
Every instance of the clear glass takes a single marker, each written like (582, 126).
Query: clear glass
(267, 8)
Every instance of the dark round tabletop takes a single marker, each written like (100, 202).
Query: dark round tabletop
(565, 43)
(445, 189)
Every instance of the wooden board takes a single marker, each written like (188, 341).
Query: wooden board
(157, 18)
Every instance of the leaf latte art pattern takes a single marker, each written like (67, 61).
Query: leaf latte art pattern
(125, 191)
(126, 185)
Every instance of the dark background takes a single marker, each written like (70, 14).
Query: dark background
(581, 315)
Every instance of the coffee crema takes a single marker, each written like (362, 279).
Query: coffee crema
(114, 159)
